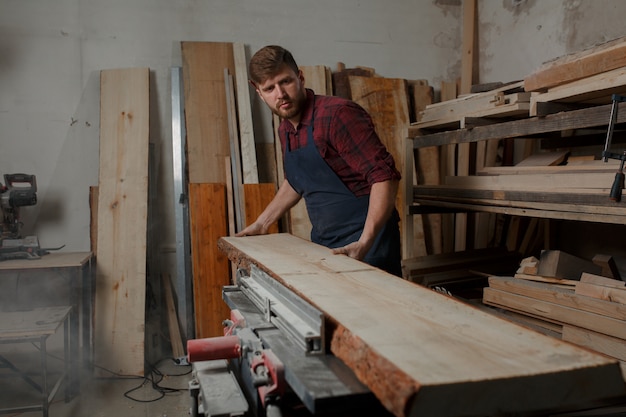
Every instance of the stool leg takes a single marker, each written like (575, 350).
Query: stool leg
(44, 376)
(69, 380)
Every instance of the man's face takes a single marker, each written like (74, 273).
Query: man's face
(284, 93)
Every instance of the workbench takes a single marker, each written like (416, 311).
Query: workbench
(36, 326)
(79, 268)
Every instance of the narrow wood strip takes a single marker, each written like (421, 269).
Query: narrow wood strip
(244, 113)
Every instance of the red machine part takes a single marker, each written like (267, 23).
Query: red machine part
(213, 348)
(269, 372)
(222, 347)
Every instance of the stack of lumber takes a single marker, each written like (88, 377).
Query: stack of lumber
(572, 94)
(556, 295)
(504, 102)
(423, 353)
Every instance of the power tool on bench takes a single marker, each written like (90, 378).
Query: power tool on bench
(19, 190)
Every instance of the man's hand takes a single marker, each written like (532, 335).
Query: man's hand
(252, 230)
(354, 250)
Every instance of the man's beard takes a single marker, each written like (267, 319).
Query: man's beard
(296, 107)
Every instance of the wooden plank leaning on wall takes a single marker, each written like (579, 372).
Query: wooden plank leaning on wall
(122, 221)
(208, 146)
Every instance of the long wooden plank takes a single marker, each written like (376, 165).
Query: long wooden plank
(564, 297)
(524, 128)
(534, 181)
(555, 312)
(207, 209)
(422, 352)
(244, 112)
(612, 346)
(554, 213)
(578, 65)
(387, 102)
(206, 113)
(595, 89)
(122, 220)
(579, 167)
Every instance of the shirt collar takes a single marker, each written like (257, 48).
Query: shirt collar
(307, 114)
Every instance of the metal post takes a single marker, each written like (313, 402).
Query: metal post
(183, 286)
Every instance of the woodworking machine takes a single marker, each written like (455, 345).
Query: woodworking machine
(272, 360)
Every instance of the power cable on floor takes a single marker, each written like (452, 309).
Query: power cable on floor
(154, 377)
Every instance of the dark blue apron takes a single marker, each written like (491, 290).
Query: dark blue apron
(336, 214)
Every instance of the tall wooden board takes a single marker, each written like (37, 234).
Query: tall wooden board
(209, 221)
(206, 113)
(423, 353)
(208, 150)
(122, 221)
(386, 100)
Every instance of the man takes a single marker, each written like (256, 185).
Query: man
(333, 159)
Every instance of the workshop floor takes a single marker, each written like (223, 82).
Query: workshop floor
(163, 393)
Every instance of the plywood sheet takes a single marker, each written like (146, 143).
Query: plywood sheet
(422, 352)
(122, 221)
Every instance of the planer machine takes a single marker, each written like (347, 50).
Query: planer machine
(272, 360)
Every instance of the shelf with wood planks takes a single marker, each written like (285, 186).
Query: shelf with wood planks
(560, 125)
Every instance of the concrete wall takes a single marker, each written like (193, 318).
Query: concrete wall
(51, 52)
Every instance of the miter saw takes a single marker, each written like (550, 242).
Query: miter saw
(19, 190)
(272, 359)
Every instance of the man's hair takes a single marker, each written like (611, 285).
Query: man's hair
(268, 61)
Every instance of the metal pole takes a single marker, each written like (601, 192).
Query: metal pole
(184, 293)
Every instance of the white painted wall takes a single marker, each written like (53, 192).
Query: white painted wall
(51, 52)
(517, 36)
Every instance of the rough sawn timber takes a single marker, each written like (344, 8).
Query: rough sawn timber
(423, 353)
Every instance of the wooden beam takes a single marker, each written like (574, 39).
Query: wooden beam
(416, 356)
(550, 293)
(555, 312)
(524, 128)
(122, 220)
(559, 264)
(608, 56)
